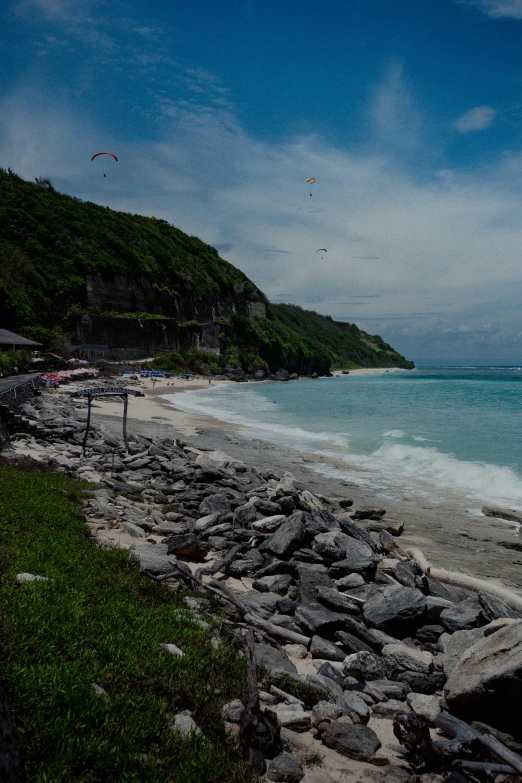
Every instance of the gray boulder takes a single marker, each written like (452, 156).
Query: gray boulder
(267, 507)
(206, 522)
(215, 504)
(358, 558)
(169, 528)
(262, 604)
(487, 680)
(329, 689)
(278, 583)
(337, 601)
(325, 710)
(448, 592)
(395, 610)
(402, 657)
(187, 545)
(434, 608)
(351, 643)
(311, 576)
(369, 636)
(455, 645)
(268, 524)
(349, 582)
(274, 659)
(366, 666)
(327, 670)
(287, 539)
(354, 529)
(155, 559)
(285, 768)
(324, 649)
(357, 742)
(233, 711)
(494, 609)
(249, 564)
(133, 530)
(367, 512)
(462, 616)
(244, 515)
(354, 706)
(392, 689)
(331, 545)
(423, 683)
(315, 619)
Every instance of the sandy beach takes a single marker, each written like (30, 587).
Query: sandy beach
(450, 534)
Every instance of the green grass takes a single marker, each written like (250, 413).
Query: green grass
(98, 621)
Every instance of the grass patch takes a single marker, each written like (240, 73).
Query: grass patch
(98, 621)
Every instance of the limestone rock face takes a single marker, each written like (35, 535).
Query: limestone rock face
(488, 677)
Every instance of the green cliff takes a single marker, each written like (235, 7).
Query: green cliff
(79, 270)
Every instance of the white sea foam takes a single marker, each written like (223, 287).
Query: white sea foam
(427, 464)
(293, 436)
(394, 466)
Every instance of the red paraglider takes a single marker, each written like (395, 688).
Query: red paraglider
(104, 153)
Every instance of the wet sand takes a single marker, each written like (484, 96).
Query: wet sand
(450, 534)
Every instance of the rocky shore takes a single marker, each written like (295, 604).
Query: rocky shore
(362, 664)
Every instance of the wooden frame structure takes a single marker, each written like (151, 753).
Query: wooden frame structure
(107, 391)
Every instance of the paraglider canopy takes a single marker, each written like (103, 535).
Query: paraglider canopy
(321, 249)
(104, 153)
(311, 180)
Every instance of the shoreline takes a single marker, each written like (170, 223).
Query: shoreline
(450, 534)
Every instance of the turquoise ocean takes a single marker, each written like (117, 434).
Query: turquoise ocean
(429, 431)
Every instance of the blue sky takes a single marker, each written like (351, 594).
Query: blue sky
(407, 113)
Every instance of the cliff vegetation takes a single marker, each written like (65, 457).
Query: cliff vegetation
(62, 259)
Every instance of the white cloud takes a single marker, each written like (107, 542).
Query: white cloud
(443, 254)
(435, 254)
(397, 120)
(497, 9)
(479, 118)
(60, 10)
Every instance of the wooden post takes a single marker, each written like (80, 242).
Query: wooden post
(89, 401)
(125, 404)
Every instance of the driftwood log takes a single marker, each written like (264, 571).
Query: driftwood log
(456, 753)
(463, 580)
(258, 729)
(464, 734)
(224, 592)
(221, 565)
(486, 767)
(413, 732)
(275, 630)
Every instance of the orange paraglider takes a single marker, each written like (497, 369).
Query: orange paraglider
(104, 153)
(310, 181)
